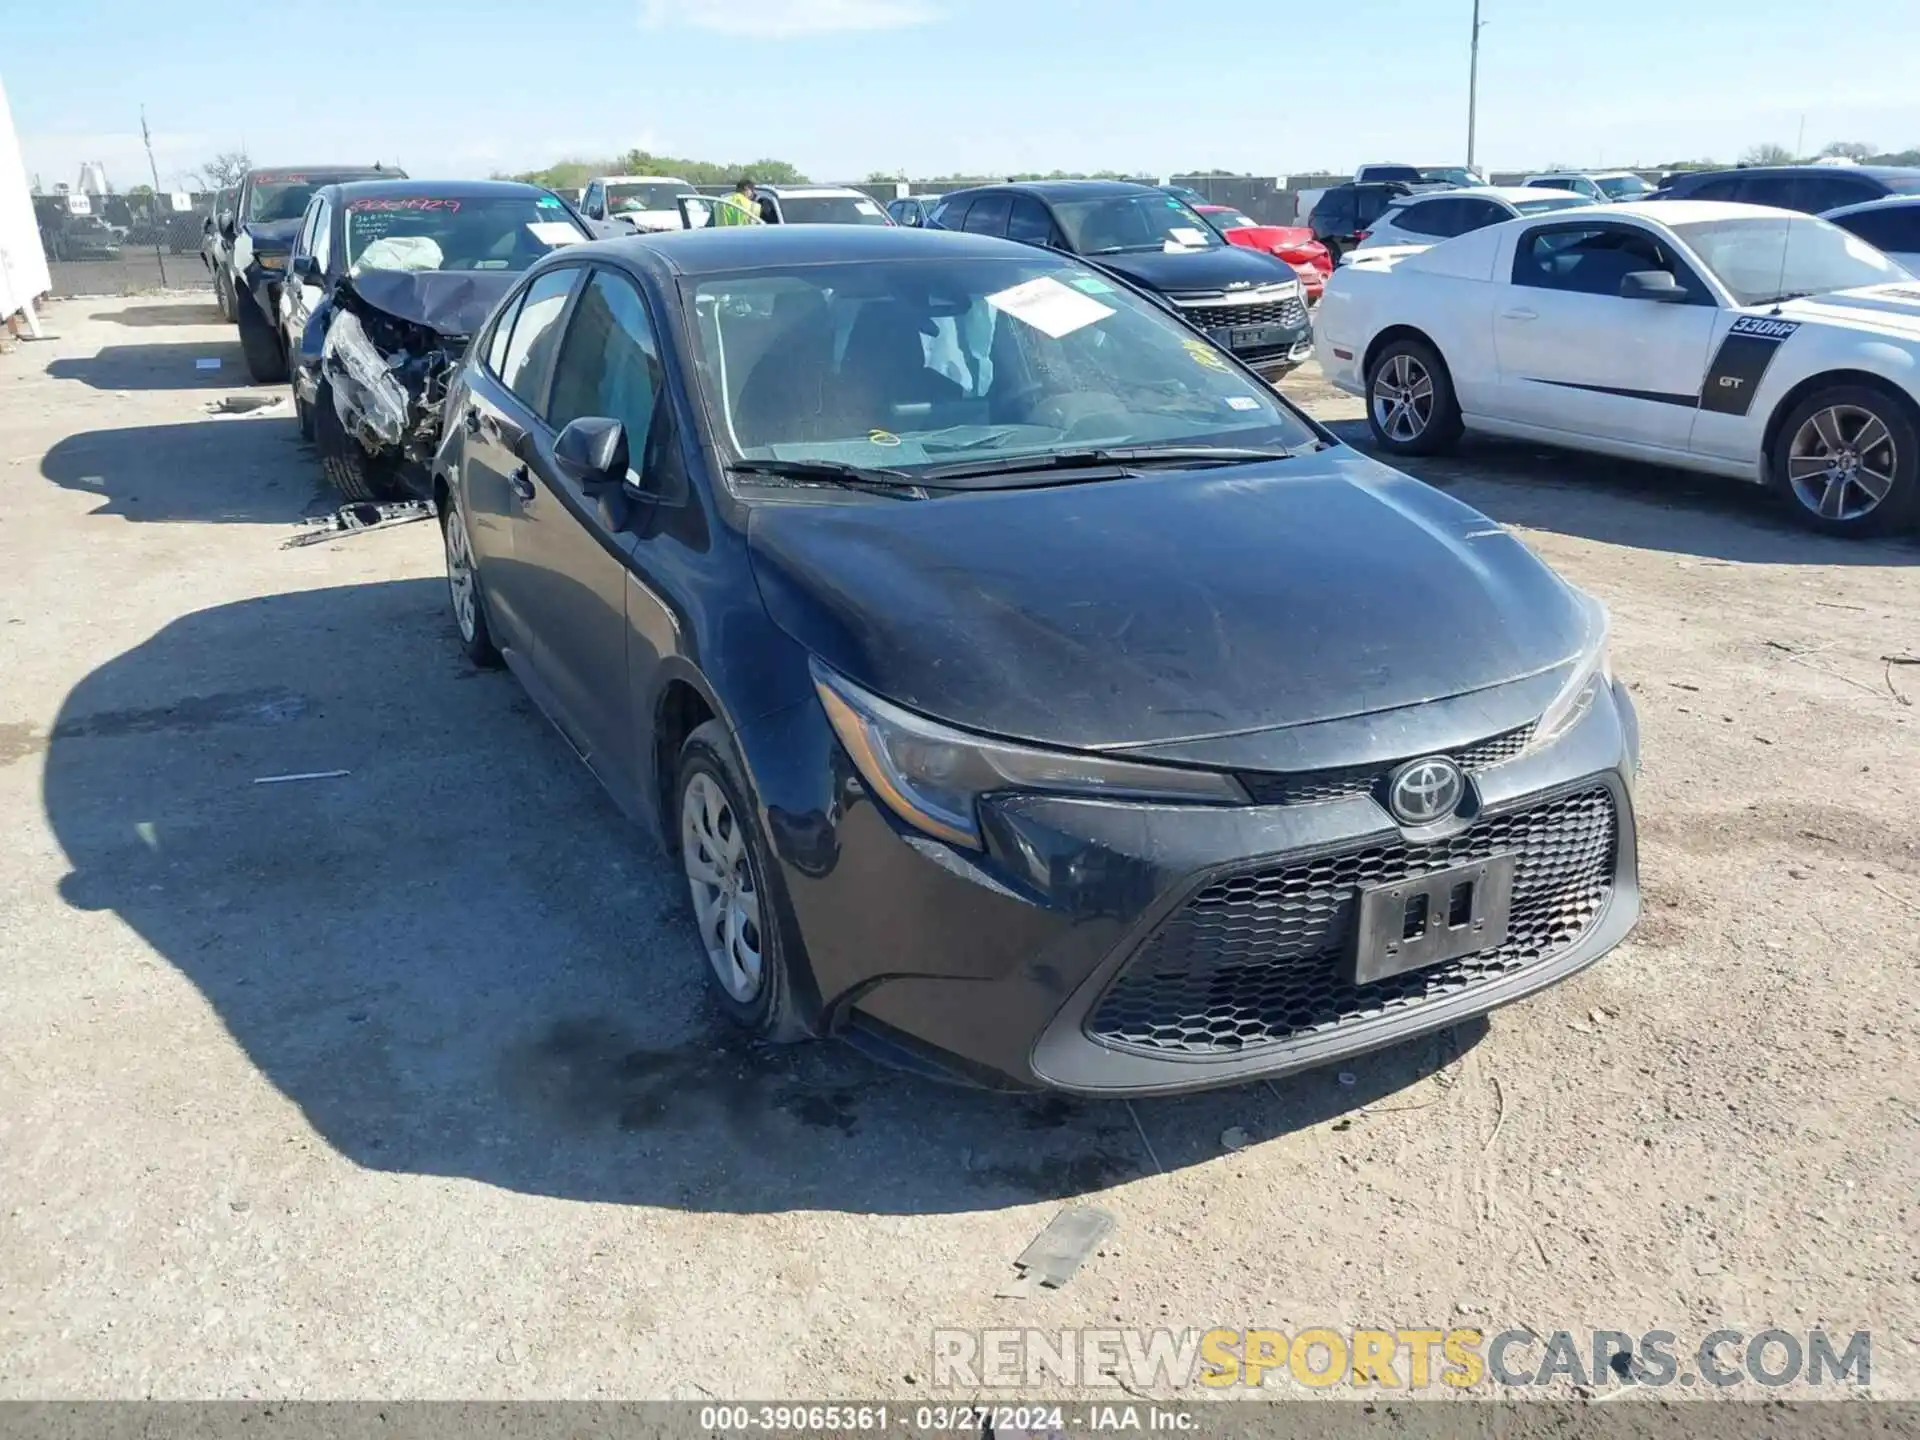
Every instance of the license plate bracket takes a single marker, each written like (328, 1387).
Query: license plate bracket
(1425, 919)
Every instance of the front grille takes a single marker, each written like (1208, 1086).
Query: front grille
(1315, 787)
(1256, 959)
(1222, 317)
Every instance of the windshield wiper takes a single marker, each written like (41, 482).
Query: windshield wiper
(1118, 456)
(1782, 299)
(871, 479)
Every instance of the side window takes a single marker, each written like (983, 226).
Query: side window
(1415, 219)
(950, 214)
(1368, 205)
(321, 241)
(501, 333)
(1030, 221)
(304, 240)
(609, 364)
(1816, 193)
(1725, 187)
(1591, 260)
(989, 214)
(1477, 215)
(1334, 214)
(530, 347)
(1765, 190)
(1896, 228)
(590, 204)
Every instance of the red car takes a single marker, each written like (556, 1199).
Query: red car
(1292, 243)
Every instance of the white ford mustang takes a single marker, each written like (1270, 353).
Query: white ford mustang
(1735, 339)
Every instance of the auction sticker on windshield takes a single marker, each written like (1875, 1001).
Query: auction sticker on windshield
(554, 232)
(1050, 307)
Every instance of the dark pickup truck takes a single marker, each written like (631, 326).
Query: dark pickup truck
(259, 232)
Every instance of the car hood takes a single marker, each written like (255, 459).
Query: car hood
(1182, 272)
(1269, 237)
(273, 235)
(1888, 309)
(447, 302)
(1171, 607)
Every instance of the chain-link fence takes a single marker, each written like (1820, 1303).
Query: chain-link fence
(124, 244)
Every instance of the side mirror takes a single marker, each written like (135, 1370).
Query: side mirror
(1656, 285)
(206, 225)
(307, 267)
(226, 224)
(593, 450)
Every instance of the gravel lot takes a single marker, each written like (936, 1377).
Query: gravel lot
(404, 1084)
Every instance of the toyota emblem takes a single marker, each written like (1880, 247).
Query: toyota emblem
(1423, 791)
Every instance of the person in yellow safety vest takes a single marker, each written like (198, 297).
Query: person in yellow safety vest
(739, 208)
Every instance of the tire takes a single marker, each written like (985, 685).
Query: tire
(303, 413)
(223, 295)
(353, 472)
(1410, 404)
(469, 606)
(260, 343)
(1847, 461)
(717, 829)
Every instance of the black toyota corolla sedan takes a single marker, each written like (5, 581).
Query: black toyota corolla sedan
(1026, 691)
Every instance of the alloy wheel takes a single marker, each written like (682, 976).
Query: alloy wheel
(460, 583)
(1403, 398)
(726, 906)
(1842, 462)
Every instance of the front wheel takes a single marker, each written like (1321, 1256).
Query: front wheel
(1848, 458)
(260, 343)
(354, 473)
(463, 588)
(741, 916)
(1410, 404)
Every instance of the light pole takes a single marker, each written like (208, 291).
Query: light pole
(1473, 81)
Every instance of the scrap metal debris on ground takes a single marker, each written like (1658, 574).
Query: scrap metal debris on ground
(303, 775)
(365, 515)
(1061, 1249)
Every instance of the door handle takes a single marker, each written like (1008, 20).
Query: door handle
(1519, 315)
(521, 482)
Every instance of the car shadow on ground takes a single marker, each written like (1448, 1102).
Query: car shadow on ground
(459, 959)
(1627, 502)
(243, 470)
(173, 366)
(190, 312)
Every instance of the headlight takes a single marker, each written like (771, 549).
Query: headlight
(933, 776)
(1593, 669)
(272, 262)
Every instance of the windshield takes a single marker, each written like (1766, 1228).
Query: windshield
(621, 198)
(831, 210)
(1449, 175)
(1552, 202)
(1141, 220)
(1761, 260)
(1233, 220)
(923, 362)
(284, 197)
(1623, 187)
(405, 232)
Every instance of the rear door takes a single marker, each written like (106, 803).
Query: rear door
(506, 398)
(570, 537)
(1575, 356)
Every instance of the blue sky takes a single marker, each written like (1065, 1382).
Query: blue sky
(843, 87)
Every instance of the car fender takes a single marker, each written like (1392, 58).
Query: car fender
(1836, 360)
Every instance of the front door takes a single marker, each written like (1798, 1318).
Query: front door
(503, 402)
(1575, 356)
(570, 537)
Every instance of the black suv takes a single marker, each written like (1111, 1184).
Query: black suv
(1249, 302)
(1813, 189)
(1340, 220)
(258, 234)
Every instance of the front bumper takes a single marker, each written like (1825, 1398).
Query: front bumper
(1127, 949)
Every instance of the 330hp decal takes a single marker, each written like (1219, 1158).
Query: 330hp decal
(1741, 361)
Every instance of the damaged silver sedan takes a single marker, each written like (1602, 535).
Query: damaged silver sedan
(386, 282)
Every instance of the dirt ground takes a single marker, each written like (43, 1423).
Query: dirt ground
(403, 1083)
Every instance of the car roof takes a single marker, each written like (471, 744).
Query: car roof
(1075, 189)
(1692, 212)
(790, 192)
(1512, 194)
(1883, 202)
(322, 172)
(1879, 172)
(638, 180)
(434, 189)
(745, 247)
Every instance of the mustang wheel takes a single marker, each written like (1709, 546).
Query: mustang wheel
(741, 921)
(1848, 456)
(463, 588)
(1410, 402)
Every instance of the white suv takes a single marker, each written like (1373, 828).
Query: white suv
(644, 202)
(1603, 187)
(1417, 221)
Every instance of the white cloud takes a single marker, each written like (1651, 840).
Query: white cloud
(780, 19)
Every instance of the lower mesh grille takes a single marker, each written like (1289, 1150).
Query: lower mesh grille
(1256, 959)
